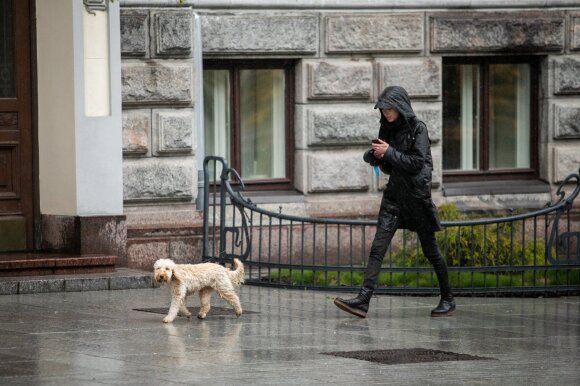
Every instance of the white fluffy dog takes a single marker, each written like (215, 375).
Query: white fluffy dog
(185, 279)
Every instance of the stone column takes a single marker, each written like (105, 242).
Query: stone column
(79, 129)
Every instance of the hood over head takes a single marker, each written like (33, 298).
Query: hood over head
(396, 97)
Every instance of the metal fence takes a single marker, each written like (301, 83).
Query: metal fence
(533, 253)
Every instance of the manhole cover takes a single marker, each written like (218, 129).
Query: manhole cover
(400, 356)
(214, 311)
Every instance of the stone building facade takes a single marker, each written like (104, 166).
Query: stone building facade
(343, 55)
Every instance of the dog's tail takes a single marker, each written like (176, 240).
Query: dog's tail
(237, 275)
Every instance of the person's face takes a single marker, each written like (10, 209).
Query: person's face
(390, 115)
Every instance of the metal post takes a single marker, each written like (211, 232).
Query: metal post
(198, 68)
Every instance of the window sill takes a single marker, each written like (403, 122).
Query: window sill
(274, 197)
(477, 188)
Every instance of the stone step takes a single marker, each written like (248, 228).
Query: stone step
(37, 264)
(122, 278)
(164, 230)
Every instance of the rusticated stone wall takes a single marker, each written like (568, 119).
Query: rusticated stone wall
(343, 61)
(157, 84)
(560, 129)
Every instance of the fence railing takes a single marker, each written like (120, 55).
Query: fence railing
(527, 253)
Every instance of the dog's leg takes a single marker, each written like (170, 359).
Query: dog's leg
(204, 297)
(183, 309)
(230, 296)
(177, 296)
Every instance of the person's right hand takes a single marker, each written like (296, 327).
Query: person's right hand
(380, 148)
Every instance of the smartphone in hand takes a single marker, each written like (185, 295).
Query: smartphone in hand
(376, 140)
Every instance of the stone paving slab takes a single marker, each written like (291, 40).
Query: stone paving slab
(97, 338)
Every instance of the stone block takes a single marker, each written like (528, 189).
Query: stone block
(8, 287)
(575, 31)
(172, 33)
(142, 253)
(157, 83)
(337, 171)
(173, 131)
(186, 250)
(87, 284)
(131, 282)
(104, 235)
(134, 33)
(374, 33)
(497, 32)
(136, 132)
(260, 33)
(567, 119)
(421, 77)
(437, 174)
(300, 170)
(60, 233)
(41, 286)
(432, 115)
(158, 179)
(567, 75)
(331, 79)
(566, 161)
(336, 125)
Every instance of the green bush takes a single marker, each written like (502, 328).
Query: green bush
(487, 245)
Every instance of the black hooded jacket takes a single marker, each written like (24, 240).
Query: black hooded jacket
(409, 163)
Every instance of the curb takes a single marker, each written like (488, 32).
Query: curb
(122, 278)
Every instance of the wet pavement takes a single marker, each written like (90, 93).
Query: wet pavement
(98, 338)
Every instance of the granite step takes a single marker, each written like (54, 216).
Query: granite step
(40, 264)
(120, 279)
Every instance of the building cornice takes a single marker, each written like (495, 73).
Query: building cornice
(355, 4)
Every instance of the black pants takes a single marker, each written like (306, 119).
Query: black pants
(386, 228)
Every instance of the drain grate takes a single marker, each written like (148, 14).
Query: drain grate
(214, 311)
(400, 356)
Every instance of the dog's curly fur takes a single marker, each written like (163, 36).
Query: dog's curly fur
(185, 279)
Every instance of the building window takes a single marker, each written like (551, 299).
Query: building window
(489, 118)
(248, 109)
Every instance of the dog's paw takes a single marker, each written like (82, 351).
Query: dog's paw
(201, 316)
(167, 319)
(238, 314)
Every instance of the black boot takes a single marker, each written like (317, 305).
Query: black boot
(358, 306)
(446, 306)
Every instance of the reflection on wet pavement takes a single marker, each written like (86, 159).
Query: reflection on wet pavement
(97, 338)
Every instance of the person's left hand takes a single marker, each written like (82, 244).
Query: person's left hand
(380, 148)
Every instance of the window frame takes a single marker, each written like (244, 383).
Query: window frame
(234, 66)
(484, 173)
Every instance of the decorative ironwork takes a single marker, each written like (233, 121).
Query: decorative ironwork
(96, 5)
(529, 253)
(566, 243)
(237, 200)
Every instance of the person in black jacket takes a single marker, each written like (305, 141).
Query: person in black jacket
(402, 150)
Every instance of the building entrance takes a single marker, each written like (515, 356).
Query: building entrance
(16, 154)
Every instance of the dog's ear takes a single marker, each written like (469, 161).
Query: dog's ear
(176, 274)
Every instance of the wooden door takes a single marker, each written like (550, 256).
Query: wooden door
(16, 155)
